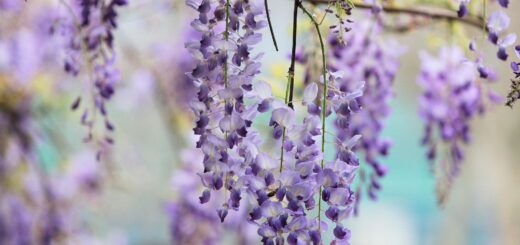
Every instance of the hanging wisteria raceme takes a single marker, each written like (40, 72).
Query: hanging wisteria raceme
(193, 223)
(288, 200)
(282, 190)
(309, 55)
(364, 57)
(222, 117)
(453, 94)
(36, 203)
(449, 102)
(87, 27)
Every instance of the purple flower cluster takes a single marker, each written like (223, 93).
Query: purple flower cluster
(497, 23)
(223, 118)
(288, 199)
(452, 97)
(463, 7)
(281, 191)
(193, 223)
(337, 175)
(504, 3)
(88, 32)
(342, 11)
(36, 204)
(366, 58)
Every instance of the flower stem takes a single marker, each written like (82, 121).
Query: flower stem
(324, 102)
(283, 133)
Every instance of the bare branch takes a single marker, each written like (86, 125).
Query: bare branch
(436, 13)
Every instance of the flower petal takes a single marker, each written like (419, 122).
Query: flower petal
(310, 93)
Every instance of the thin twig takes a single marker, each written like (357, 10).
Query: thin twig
(293, 54)
(270, 25)
(289, 90)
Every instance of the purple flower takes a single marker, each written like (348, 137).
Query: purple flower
(451, 98)
(223, 75)
(205, 196)
(463, 9)
(341, 233)
(194, 223)
(366, 115)
(503, 3)
(84, 50)
(502, 54)
(498, 21)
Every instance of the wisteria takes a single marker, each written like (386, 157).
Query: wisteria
(193, 223)
(452, 96)
(221, 90)
(258, 153)
(286, 193)
(363, 57)
(449, 102)
(37, 203)
(498, 22)
(87, 29)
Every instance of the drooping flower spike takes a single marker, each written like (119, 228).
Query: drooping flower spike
(452, 97)
(87, 29)
(224, 72)
(282, 188)
(366, 58)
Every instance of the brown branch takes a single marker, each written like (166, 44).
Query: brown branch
(293, 53)
(439, 14)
